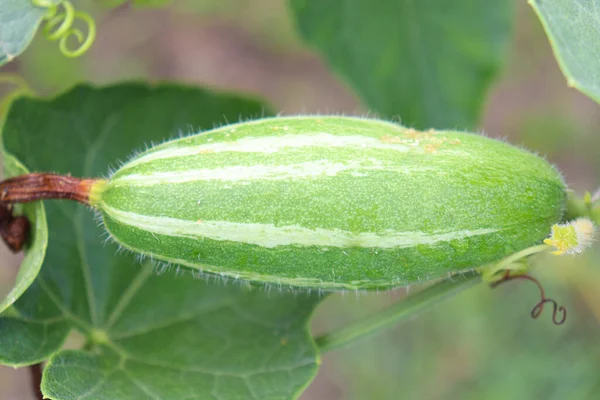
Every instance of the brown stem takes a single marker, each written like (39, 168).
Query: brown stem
(36, 380)
(33, 187)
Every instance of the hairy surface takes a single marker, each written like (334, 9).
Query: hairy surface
(331, 202)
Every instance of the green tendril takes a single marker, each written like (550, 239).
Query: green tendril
(64, 21)
(85, 42)
(59, 26)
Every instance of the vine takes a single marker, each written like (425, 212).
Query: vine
(60, 18)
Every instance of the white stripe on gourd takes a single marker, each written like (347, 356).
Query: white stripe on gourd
(267, 172)
(269, 235)
(273, 144)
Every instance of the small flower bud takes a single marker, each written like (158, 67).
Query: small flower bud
(572, 237)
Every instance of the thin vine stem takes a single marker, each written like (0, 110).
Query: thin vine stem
(406, 308)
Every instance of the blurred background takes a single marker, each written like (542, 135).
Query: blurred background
(479, 345)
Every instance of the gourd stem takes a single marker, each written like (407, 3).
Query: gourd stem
(406, 308)
(45, 186)
(586, 207)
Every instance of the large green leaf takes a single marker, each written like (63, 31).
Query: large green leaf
(19, 19)
(573, 27)
(429, 62)
(149, 335)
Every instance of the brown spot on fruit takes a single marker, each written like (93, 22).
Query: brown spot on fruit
(391, 139)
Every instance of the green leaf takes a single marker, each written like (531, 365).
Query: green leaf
(428, 62)
(29, 342)
(149, 335)
(35, 249)
(19, 20)
(573, 27)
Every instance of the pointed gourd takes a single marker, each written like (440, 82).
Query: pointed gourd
(331, 202)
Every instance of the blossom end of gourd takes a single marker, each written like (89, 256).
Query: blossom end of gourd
(571, 238)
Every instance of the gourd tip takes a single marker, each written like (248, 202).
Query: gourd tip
(572, 237)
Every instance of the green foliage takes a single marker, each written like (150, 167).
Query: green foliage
(428, 63)
(572, 27)
(36, 247)
(19, 19)
(171, 336)
(31, 340)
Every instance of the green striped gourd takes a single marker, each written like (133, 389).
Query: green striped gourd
(331, 202)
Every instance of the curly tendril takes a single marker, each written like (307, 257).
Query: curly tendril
(536, 311)
(59, 26)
